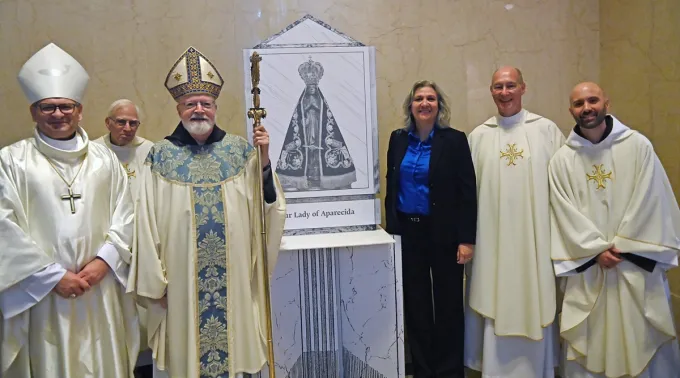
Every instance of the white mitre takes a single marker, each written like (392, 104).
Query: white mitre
(52, 72)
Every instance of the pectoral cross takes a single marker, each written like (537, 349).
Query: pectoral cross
(599, 176)
(511, 153)
(71, 197)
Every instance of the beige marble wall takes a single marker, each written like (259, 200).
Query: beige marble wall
(128, 47)
(641, 72)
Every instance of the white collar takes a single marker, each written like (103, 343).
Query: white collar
(136, 141)
(512, 120)
(62, 149)
(527, 117)
(72, 144)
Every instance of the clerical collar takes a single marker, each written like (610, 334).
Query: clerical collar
(116, 147)
(609, 122)
(72, 144)
(122, 152)
(512, 120)
(136, 141)
(181, 137)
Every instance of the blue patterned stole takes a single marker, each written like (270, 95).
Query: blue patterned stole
(205, 168)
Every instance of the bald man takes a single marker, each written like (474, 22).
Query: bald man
(509, 319)
(615, 230)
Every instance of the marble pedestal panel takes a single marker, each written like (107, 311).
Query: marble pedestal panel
(337, 306)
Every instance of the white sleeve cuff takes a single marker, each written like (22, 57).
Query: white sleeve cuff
(664, 260)
(27, 293)
(120, 269)
(568, 267)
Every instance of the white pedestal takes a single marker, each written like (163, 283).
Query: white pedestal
(337, 306)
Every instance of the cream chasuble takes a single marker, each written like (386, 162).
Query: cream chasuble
(615, 322)
(511, 283)
(42, 224)
(131, 156)
(198, 237)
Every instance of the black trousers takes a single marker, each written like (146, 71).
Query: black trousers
(433, 305)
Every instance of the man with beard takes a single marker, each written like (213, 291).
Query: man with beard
(198, 265)
(510, 330)
(615, 232)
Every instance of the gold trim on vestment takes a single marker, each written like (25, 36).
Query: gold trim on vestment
(604, 279)
(231, 345)
(197, 315)
(586, 318)
(621, 376)
(646, 242)
(622, 237)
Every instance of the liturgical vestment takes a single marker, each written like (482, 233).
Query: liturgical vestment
(509, 320)
(198, 240)
(615, 322)
(131, 156)
(45, 230)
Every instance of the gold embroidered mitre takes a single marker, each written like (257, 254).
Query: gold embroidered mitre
(193, 73)
(311, 72)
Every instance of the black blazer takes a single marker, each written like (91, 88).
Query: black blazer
(453, 186)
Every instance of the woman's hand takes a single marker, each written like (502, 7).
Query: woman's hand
(465, 252)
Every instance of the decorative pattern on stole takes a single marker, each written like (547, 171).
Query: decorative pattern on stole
(206, 168)
(211, 271)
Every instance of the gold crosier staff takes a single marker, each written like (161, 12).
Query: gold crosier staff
(257, 113)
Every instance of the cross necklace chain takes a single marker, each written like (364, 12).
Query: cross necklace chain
(70, 196)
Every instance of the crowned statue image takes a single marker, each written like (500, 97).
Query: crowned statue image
(314, 154)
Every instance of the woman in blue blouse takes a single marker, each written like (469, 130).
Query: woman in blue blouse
(431, 202)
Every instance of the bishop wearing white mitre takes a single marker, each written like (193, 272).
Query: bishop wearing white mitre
(66, 225)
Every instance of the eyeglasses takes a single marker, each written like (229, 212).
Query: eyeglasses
(204, 105)
(122, 122)
(51, 108)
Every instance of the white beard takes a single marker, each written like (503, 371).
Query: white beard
(197, 127)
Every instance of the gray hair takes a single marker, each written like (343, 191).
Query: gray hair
(443, 113)
(121, 103)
